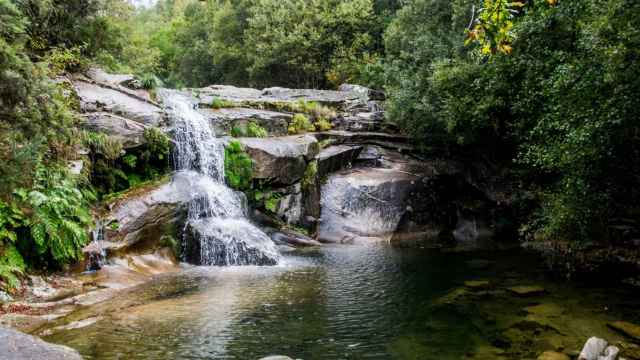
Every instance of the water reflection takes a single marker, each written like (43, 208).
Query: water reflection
(346, 302)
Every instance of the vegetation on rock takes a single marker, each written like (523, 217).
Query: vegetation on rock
(238, 166)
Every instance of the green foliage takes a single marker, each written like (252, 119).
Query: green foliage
(310, 174)
(238, 166)
(66, 60)
(99, 143)
(60, 214)
(158, 143)
(11, 265)
(255, 130)
(323, 125)
(563, 103)
(218, 103)
(300, 124)
(268, 199)
(150, 81)
(238, 131)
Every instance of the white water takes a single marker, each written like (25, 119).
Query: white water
(217, 220)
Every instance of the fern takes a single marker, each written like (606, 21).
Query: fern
(11, 266)
(60, 214)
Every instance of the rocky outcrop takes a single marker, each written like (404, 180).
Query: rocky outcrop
(128, 132)
(96, 97)
(15, 345)
(363, 204)
(281, 160)
(225, 119)
(141, 222)
(274, 95)
(335, 158)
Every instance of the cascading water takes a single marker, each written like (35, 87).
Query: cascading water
(217, 231)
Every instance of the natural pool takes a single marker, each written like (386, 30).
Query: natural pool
(352, 302)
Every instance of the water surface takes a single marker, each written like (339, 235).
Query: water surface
(351, 302)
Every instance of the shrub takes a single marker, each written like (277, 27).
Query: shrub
(255, 130)
(157, 142)
(323, 125)
(218, 103)
(238, 166)
(238, 131)
(300, 124)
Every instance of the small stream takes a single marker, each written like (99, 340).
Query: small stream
(351, 302)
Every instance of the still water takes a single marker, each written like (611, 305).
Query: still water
(352, 302)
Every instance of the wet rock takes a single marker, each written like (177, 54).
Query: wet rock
(224, 120)
(227, 242)
(630, 330)
(290, 207)
(130, 133)
(552, 355)
(362, 205)
(527, 291)
(138, 222)
(281, 160)
(336, 158)
(15, 345)
(294, 239)
(276, 357)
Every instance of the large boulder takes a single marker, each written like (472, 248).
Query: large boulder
(138, 222)
(15, 345)
(130, 133)
(225, 119)
(335, 158)
(281, 160)
(97, 97)
(363, 204)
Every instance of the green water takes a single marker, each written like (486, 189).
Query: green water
(351, 302)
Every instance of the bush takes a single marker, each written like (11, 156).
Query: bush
(218, 103)
(300, 124)
(238, 166)
(323, 125)
(255, 130)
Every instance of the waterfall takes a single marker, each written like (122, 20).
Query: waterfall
(96, 251)
(217, 230)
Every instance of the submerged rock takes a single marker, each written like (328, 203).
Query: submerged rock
(552, 355)
(526, 291)
(15, 345)
(477, 284)
(630, 330)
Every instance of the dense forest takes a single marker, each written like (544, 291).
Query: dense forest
(549, 91)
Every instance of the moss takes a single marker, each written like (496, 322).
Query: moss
(300, 124)
(255, 130)
(310, 174)
(218, 103)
